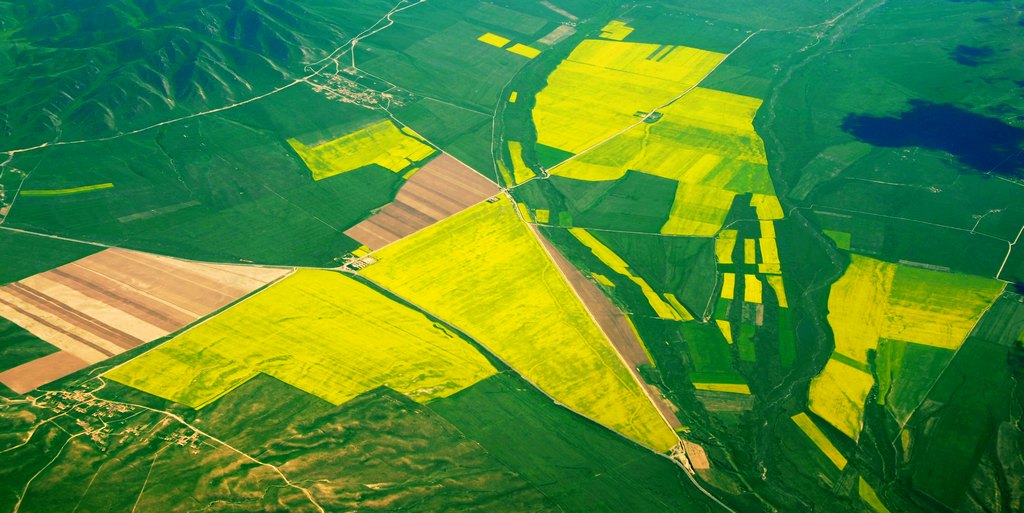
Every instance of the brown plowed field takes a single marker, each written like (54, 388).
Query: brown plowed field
(113, 301)
(440, 189)
(27, 377)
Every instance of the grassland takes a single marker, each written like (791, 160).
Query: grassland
(421, 461)
(319, 331)
(962, 447)
(243, 450)
(506, 279)
(572, 461)
(26, 254)
(636, 202)
(207, 189)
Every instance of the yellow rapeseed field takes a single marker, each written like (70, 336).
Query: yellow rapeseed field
(818, 437)
(698, 210)
(526, 51)
(484, 271)
(616, 30)
(725, 328)
(723, 387)
(725, 243)
(776, 284)
(593, 105)
(382, 144)
(728, 285)
(870, 497)
(838, 394)
(319, 331)
(684, 314)
(603, 280)
(749, 251)
(598, 89)
(617, 264)
(875, 300)
(520, 171)
(751, 288)
(767, 206)
(493, 40)
(770, 263)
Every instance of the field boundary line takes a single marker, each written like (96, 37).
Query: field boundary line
(1009, 250)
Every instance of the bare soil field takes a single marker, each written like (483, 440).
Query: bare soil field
(107, 303)
(440, 189)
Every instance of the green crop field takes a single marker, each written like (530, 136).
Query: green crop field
(571, 461)
(656, 255)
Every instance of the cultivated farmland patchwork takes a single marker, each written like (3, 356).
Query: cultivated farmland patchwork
(497, 255)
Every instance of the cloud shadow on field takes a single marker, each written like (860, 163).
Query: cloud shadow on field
(972, 56)
(982, 143)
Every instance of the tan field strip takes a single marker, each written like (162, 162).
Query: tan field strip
(440, 189)
(113, 301)
(615, 326)
(49, 368)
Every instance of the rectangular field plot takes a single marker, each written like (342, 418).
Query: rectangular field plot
(383, 144)
(599, 88)
(484, 271)
(444, 186)
(319, 331)
(109, 302)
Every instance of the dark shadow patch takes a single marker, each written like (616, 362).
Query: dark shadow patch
(986, 144)
(971, 55)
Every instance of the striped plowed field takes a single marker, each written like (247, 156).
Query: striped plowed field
(113, 301)
(442, 188)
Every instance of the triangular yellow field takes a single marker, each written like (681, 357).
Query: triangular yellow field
(485, 272)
